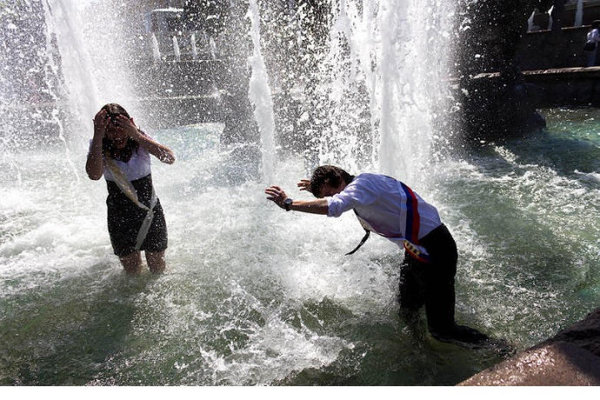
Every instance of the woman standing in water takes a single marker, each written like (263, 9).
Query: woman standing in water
(121, 152)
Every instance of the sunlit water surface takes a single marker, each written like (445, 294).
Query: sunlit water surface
(255, 295)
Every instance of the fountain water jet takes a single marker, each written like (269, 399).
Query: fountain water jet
(65, 23)
(194, 47)
(380, 85)
(579, 13)
(260, 95)
(155, 48)
(176, 50)
(244, 278)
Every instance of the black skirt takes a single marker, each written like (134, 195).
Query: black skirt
(125, 219)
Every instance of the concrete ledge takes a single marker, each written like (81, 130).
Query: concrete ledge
(571, 358)
(551, 74)
(555, 87)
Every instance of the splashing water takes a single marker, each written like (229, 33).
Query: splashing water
(254, 295)
(155, 49)
(380, 87)
(176, 49)
(260, 95)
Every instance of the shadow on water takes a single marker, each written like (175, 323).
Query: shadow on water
(524, 250)
(62, 335)
(570, 145)
(384, 355)
(564, 155)
(560, 151)
(531, 204)
(384, 352)
(80, 330)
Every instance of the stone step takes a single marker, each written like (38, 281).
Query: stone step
(571, 358)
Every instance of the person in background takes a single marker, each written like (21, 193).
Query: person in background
(388, 207)
(591, 45)
(121, 152)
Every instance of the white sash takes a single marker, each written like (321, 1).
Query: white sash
(129, 191)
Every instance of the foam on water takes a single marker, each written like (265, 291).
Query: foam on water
(255, 295)
(526, 225)
(231, 307)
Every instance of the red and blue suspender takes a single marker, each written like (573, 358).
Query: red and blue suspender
(413, 223)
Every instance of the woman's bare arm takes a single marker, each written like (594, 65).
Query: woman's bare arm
(94, 165)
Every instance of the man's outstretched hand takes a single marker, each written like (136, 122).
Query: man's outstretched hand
(304, 184)
(317, 206)
(276, 195)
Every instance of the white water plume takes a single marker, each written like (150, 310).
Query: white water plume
(579, 13)
(260, 95)
(176, 49)
(388, 60)
(52, 70)
(253, 295)
(90, 40)
(194, 47)
(155, 49)
(63, 20)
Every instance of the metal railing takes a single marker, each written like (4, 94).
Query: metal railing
(573, 15)
(178, 46)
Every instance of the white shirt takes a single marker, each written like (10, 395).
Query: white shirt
(137, 167)
(387, 206)
(593, 35)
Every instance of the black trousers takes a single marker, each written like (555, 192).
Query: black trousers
(431, 284)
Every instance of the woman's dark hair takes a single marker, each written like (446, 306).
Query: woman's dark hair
(596, 24)
(330, 175)
(108, 147)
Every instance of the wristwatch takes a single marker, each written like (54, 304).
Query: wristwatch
(287, 203)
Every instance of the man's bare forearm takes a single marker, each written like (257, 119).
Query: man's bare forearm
(318, 206)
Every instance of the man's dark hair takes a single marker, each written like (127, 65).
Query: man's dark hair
(330, 175)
